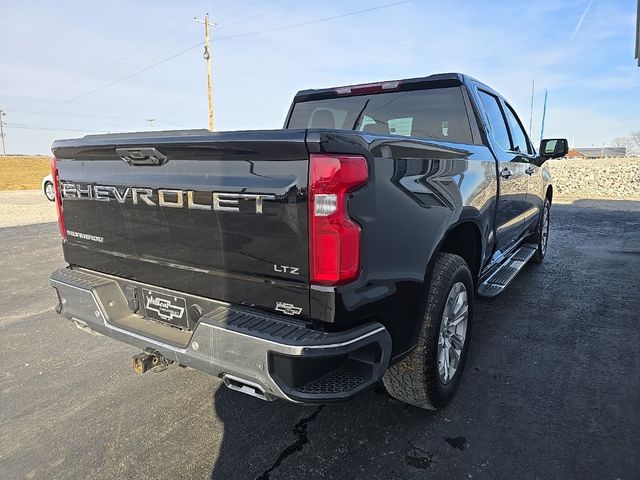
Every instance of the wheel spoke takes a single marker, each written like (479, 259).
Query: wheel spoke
(448, 307)
(446, 363)
(453, 328)
(441, 368)
(461, 301)
(457, 342)
(455, 358)
(460, 316)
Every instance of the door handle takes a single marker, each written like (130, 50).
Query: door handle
(530, 171)
(506, 173)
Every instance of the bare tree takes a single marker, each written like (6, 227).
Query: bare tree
(630, 143)
(622, 142)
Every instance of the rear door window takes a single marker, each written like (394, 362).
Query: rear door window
(496, 119)
(518, 135)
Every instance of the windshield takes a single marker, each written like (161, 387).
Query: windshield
(437, 113)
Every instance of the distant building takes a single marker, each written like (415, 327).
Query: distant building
(604, 152)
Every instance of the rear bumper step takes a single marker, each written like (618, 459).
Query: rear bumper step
(254, 352)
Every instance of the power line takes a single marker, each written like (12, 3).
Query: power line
(90, 115)
(257, 32)
(123, 62)
(311, 22)
(126, 77)
(52, 129)
(259, 14)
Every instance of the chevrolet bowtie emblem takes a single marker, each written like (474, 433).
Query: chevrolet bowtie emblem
(288, 308)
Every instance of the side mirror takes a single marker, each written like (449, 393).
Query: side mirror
(553, 148)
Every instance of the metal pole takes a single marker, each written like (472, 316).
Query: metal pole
(544, 114)
(533, 88)
(2, 114)
(638, 33)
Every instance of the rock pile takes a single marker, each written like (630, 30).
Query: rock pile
(597, 178)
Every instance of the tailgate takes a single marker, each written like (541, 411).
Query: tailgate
(219, 215)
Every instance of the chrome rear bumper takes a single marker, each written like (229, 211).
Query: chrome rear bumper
(257, 353)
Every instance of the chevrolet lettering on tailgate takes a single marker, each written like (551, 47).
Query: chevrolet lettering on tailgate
(163, 197)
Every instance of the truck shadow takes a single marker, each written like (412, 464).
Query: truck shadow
(282, 440)
(516, 374)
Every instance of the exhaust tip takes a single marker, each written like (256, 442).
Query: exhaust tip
(244, 386)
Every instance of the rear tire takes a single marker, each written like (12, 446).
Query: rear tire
(541, 238)
(421, 378)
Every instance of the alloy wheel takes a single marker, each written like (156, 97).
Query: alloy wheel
(453, 331)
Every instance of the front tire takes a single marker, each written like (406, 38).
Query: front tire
(541, 238)
(429, 377)
(49, 192)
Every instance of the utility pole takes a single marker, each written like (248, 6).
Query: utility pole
(207, 57)
(2, 114)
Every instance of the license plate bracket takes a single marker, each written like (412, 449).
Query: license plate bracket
(165, 308)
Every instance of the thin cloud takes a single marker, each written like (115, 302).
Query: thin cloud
(580, 20)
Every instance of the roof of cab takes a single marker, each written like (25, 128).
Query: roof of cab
(431, 81)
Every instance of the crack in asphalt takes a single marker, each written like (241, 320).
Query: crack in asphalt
(300, 431)
(418, 457)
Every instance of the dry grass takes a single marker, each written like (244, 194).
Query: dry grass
(23, 173)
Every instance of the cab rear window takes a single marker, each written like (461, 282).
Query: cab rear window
(437, 113)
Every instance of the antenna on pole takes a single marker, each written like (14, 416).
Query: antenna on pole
(533, 89)
(207, 57)
(544, 114)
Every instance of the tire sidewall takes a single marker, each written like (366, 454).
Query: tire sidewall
(540, 253)
(446, 391)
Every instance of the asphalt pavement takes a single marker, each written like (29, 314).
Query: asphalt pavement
(551, 389)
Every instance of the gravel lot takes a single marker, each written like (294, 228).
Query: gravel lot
(25, 207)
(551, 390)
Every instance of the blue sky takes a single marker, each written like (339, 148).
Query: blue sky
(581, 51)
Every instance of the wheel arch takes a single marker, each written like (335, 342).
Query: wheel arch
(462, 238)
(465, 240)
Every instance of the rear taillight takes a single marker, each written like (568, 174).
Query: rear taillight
(56, 186)
(334, 238)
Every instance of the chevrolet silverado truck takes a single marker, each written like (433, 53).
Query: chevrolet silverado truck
(312, 262)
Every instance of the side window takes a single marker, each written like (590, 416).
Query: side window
(518, 134)
(496, 119)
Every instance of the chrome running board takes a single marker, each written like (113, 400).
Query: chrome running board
(498, 280)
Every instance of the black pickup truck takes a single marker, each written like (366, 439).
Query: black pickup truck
(311, 262)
